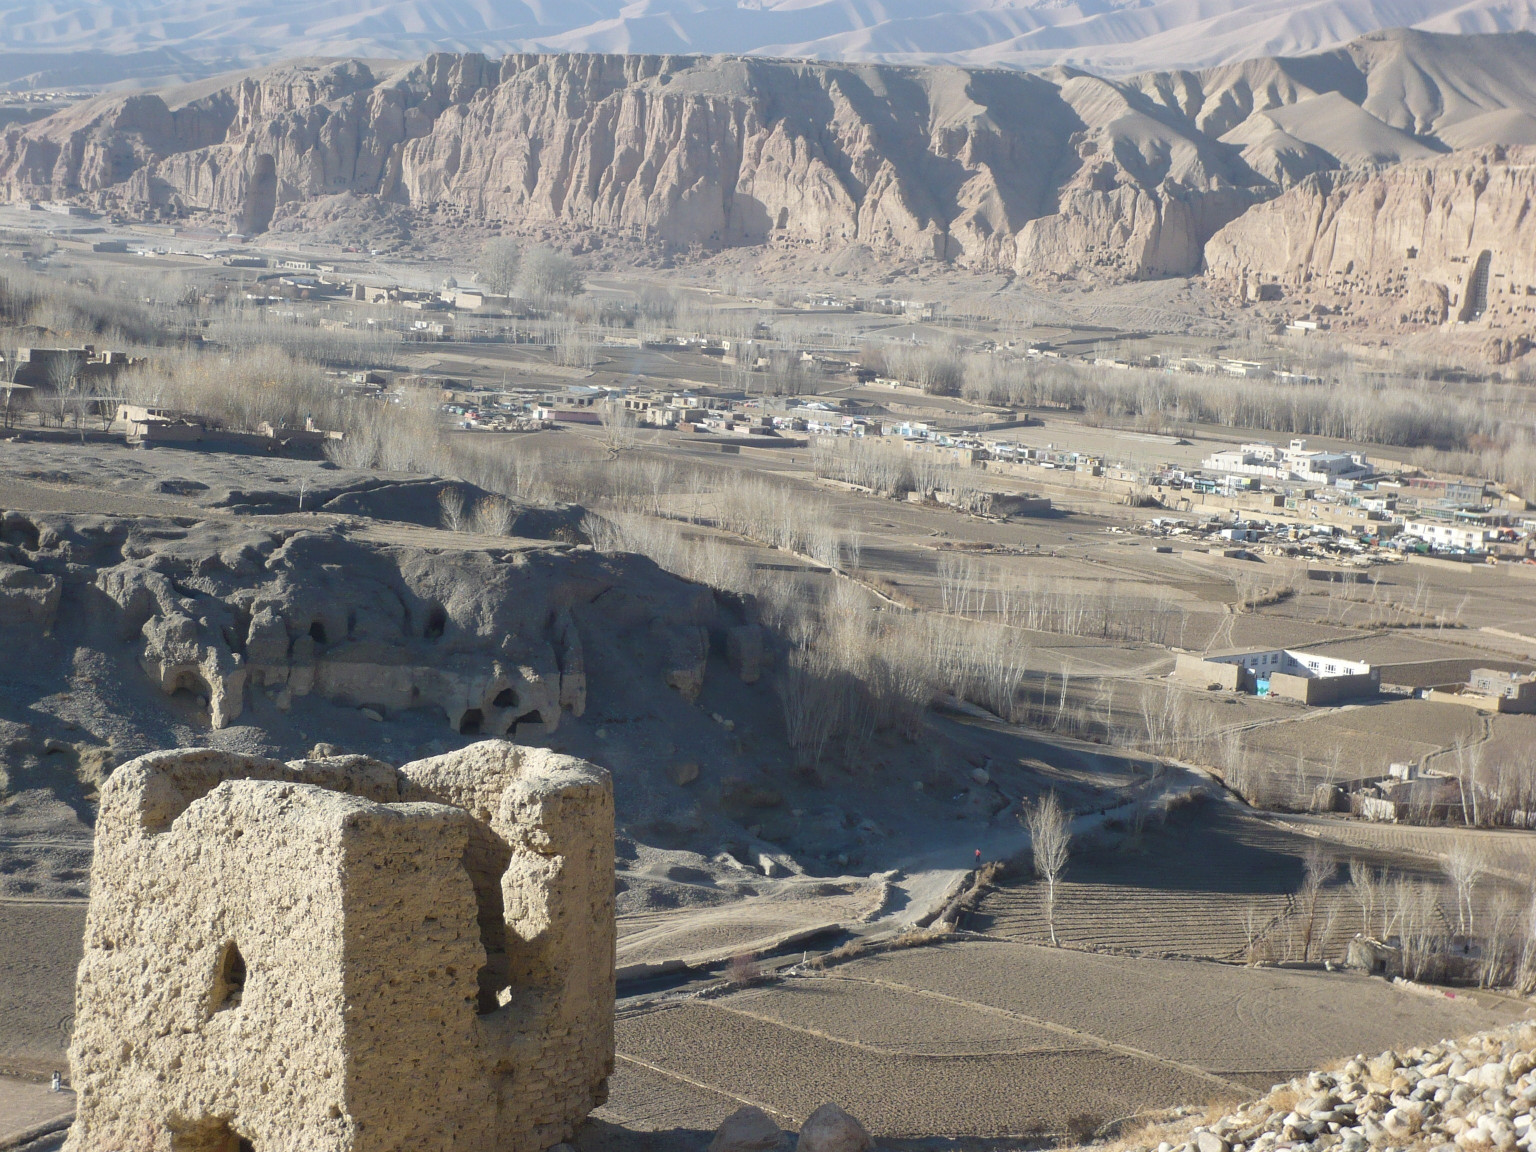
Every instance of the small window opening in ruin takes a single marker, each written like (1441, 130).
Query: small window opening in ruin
(526, 718)
(317, 632)
(469, 724)
(437, 622)
(229, 986)
(506, 698)
(208, 1136)
(486, 858)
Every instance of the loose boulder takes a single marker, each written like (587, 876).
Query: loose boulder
(747, 1129)
(830, 1129)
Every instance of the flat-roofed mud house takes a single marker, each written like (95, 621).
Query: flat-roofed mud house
(1283, 673)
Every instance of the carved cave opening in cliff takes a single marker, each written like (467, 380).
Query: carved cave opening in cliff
(317, 631)
(471, 722)
(437, 623)
(191, 689)
(261, 196)
(1475, 301)
(506, 698)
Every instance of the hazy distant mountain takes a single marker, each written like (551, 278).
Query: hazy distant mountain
(188, 37)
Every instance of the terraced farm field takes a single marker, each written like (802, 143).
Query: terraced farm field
(1510, 851)
(996, 1039)
(1218, 882)
(1366, 738)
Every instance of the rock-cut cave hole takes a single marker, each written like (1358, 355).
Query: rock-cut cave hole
(437, 623)
(470, 722)
(506, 698)
(317, 632)
(192, 688)
(229, 985)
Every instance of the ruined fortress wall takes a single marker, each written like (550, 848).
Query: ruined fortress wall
(552, 817)
(334, 954)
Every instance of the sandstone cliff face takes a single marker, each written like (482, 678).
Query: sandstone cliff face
(937, 163)
(1424, 243)
(1055, 173)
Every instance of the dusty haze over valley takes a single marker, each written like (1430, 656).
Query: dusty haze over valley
(951, 577)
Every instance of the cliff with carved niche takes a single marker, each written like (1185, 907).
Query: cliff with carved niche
(1430, 243)
(942, 163)
(1059, 173)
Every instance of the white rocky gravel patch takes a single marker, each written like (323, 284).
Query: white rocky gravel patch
(1469, 1095)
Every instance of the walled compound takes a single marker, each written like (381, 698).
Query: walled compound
(335, 955)
(1282, 673)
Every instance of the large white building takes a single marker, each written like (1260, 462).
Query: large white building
(1293, 462)
(1469, 537)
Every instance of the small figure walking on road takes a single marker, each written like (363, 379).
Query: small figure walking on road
(978, 857)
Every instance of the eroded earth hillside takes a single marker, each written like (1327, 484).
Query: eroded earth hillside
(1058, 173)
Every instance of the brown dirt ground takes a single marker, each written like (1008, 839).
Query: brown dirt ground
(1369, 737)
(39, 952)
(28, 1104)
(990, 1039)
(900, 1094)
(1262, 1024)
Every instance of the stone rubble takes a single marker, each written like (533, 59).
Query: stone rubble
(1468, 1095)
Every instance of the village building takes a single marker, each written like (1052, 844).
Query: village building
(1283, 673)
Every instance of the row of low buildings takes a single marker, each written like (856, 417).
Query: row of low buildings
(1324, 679)
(1410, 513)
(1293, 463)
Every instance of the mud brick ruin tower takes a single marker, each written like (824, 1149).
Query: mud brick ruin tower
(339, 956)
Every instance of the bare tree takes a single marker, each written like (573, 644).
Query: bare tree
(548, 276)
(451, 500)
(1464, 866)
(1253, 923)
(1469, 764)
(618, 425)
(10, 351)
(1050, 840)
(1501, 941)
(500, 261)
(1319, 868)
(1367, 887)
(494, 516)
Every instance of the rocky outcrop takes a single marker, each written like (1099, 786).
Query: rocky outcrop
(487, 640)
(1472, 1095)
(1058, 173)
(28, 600)
(1445, 240)
(830, 1129)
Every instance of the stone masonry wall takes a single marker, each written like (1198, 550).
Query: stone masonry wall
(338, 955)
